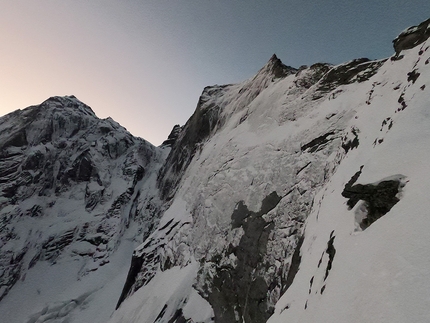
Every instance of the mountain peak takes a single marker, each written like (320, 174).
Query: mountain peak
(276, 68)
(274, 57)
(68, 101)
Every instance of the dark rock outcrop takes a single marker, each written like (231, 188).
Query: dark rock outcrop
(135, 268)
(331, 252)
(306, 77)
(357, 70)
(239, 294)
(318, 142)
(412, 37)
(379, 197)
(173, 136)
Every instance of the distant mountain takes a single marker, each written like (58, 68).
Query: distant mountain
(72, 185)
(298, 195)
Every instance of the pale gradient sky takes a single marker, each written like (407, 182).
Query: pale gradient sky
(145, 63)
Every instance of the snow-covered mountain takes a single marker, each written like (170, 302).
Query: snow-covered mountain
(77, 195)
(298, 195)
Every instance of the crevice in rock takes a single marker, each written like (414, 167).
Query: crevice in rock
(294, 266)
(311, 282)
(331, 251)
(303, 168)
(314, 144)
(178, 317)
(136, 266)
(161, 314)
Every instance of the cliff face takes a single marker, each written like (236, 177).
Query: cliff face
(265, 168)
(296, 195)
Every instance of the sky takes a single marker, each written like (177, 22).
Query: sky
(145, 62)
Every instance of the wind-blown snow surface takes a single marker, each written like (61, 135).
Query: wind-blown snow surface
(295, 196)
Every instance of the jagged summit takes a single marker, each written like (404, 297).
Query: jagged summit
(56, 119)
(68, 101)
(273, 69)
(276, 68)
